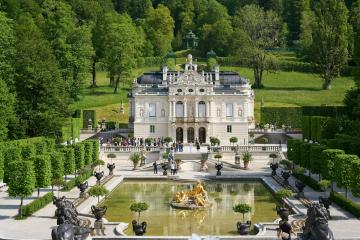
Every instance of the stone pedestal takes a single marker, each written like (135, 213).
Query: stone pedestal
(82, 195)
(99, 228)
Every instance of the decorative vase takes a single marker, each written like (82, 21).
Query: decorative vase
(243, 228)
(82, 187)
(164, 166)
(111, 168)
(286, 175)
(300, 187)
(218, 167)
(273, 167)
(98, 176)
(139, 229)
(98, 212)
(246, 164)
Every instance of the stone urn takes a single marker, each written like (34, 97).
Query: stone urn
(326, 201)
(218, 167)
(273, 167)
(111, 168)
(237, 159)
(164, 166)
(243, 228)
(300, 187)
(98, 212)
(98, 176)
(286, 175)
(82, 187)
(139, 229)
(283, 212)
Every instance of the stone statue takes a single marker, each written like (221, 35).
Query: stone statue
(316, 224)
(98, 176)
(65, 212)
(69, 232)
(193, 199)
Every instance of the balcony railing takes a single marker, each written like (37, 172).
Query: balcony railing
(191, 120)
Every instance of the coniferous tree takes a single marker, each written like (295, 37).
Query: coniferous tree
(330, 39)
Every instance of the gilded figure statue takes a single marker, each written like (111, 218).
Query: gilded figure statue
(193, 199)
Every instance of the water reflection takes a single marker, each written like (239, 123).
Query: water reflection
(164, 220)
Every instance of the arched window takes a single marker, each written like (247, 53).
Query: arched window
(201, 109)
(179, 109)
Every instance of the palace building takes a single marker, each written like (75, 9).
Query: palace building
(189, 105)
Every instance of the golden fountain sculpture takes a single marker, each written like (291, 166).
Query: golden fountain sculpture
(197, 198)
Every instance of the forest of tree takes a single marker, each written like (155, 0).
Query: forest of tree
(48, 48)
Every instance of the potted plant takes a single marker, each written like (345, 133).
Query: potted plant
(148, 141)
(280, 195)
(218, 165)
(135, 158)
(273, 156)
(242, 227)
(168, 140)
(214, 141)
(247, 158)
(233, 140)
(139, 228)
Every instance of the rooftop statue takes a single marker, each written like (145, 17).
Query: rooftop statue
(193, 199)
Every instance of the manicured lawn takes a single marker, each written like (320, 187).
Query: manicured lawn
(282, 89)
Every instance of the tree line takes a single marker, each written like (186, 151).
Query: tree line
(48, 48)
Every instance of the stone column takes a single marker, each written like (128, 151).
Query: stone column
(207, 109)
(196, 109)
(196, 129)
(185, 109)
(174, 109)
(170, 109)
(185, 132)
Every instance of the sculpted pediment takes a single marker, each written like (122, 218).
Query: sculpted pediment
(190, 78)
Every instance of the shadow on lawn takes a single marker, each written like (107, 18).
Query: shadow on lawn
(292, 89)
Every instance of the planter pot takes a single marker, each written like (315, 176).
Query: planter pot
(286, 175)
(243, 228)
(300, 187)
(98, 212)
(273, 167)
(111, 168)
(98, 176)
(283, 212)
(218, 167)
(82, 187)
(164, 166)
(246, 165)
(139, 229)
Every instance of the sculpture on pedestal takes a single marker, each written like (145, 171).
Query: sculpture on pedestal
(111, 168)
(98, 176)
(196, 198)
(316, 224)
(82, 187)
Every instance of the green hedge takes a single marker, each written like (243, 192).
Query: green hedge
(306, 127)
(95, 149)
(76, 124)
(37, 204)
(326, 111)
(348, 205)
(315, 158)
(69, 160)
(355, 177)
(79, 155)
(79, 179)
(1, 164)
(308, 181)
(89, 114)
(12, 153)
(328, 157)
(305, 155)
(293, 152)
(290, 116)
(88, 153)
(343, 173)
(66, 132)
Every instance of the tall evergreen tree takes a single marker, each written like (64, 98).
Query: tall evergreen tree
(42, 100)
(330, 39)
(293, 10)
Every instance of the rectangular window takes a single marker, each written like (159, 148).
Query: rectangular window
(229, 128)
(229, 110)
(152, 128)
(152, 109)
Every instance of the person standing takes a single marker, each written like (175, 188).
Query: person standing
(172, 168)
(285, 230)
(155, 167)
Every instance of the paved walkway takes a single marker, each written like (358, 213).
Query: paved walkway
(344, 225)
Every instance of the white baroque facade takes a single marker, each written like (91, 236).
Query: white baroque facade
(192, 105)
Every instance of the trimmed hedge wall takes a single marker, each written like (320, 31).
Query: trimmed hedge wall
(95, 149)
(305, 155)
(11, 154)
(328, 157)
(326, 111)
(315, 158)
(79, 179)
(352, 207)
(343, 170)
(290, 116)
(89, 114)
(37, 204)
(88, 153)
(355, 178)
(308, 181)
(79, 155)
(306, 127)
(69, 160)
(293, 152)
(1, 164)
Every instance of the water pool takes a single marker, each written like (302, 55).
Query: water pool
(163, 220)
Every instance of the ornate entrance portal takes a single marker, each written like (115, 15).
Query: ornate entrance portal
(179, 135)
(202, 135)
(190, 135)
